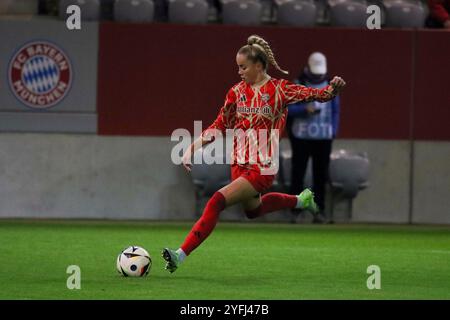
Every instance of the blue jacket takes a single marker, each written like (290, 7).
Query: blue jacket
(321, 125)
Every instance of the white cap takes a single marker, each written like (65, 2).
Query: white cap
(317, 63)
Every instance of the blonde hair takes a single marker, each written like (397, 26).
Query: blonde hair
(258, 49)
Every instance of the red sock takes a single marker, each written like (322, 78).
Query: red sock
(272, 202)
(205, 225)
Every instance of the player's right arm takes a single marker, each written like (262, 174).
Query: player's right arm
(225, 120)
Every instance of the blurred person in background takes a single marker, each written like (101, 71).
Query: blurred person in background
(439, 16)
(311, 127)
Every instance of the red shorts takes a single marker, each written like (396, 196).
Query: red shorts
(258, 181)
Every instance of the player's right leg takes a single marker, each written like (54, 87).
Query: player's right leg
(237, 191)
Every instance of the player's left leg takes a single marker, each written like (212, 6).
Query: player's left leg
(275, 201)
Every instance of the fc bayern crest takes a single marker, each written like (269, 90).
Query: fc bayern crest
(40, 74)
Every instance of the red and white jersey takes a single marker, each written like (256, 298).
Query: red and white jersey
(249, 107)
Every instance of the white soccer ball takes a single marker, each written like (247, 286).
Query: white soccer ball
(134, 261)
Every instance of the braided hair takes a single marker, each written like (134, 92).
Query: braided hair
(258, 49)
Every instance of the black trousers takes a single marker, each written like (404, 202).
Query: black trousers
(319, 151)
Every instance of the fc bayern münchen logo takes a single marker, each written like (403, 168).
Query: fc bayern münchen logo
(40, 74)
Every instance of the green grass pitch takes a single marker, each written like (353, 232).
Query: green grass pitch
(238, 261)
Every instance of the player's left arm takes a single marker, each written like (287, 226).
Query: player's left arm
(299, 93)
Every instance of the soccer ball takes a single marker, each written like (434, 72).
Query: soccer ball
(134, 261)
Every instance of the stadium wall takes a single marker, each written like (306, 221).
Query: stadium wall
(190, 69)
(74, 108)
(89, 176)
(431, 182)
(158, 77)
(117, 177)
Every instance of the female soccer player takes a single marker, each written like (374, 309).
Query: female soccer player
(257, 102)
